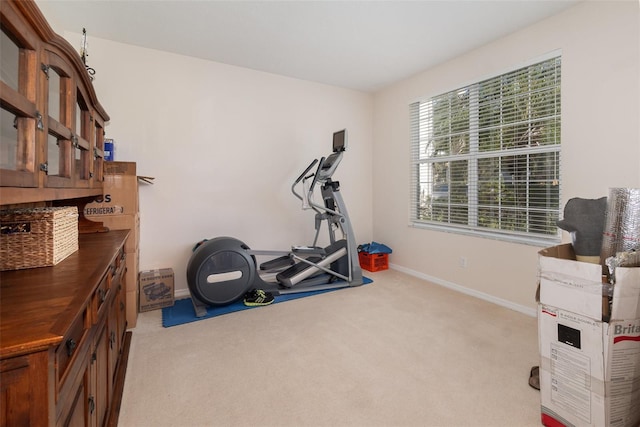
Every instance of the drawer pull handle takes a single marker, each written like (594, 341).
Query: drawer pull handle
(92, 404)
(71, 346)
(101, 295)
(121, 306)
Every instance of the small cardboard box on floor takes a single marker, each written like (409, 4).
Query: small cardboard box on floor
(156, 289)
(590, 368)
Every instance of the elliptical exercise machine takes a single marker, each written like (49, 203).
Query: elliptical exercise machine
(221, 270)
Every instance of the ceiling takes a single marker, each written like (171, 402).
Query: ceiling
(362, 45)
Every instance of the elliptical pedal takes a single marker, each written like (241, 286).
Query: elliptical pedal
(277, 263)
(309, 250)
(302, 270)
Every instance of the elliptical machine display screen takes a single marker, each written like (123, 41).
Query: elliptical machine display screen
(340, 141)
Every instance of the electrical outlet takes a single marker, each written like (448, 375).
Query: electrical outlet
(463, 262)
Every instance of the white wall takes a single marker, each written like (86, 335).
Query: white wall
(600, 142)
(224, 145)
(225, 142)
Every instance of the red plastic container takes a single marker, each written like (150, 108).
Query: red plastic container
(373, 262)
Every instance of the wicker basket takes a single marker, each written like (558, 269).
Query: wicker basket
(37, 237)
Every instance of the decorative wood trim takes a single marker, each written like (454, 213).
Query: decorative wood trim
(15, 102)
(35, 17)
(16, 195)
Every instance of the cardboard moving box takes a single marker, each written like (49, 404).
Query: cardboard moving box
(589, 368)
(132, 308)
(120, 191)
(156, 289)
(123, 222)
(117, 209)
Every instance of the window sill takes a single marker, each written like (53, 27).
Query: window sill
(523, 239)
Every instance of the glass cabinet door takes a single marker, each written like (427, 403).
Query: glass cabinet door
(51, 123)
(98, 154)
(82, 141)
(19, 116)
(60, 117)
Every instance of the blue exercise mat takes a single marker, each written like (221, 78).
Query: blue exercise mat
(182, 311)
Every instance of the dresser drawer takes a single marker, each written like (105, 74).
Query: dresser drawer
(71, 345)
(102, 293)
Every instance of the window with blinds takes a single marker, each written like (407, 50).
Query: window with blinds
(485, 158)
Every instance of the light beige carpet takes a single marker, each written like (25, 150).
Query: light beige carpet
(397, 352)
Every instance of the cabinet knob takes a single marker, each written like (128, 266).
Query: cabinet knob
(71, 346)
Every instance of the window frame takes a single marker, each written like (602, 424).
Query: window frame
(551, 152)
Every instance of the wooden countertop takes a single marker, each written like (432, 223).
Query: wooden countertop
(38, 305)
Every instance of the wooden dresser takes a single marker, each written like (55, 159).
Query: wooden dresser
(63, 339)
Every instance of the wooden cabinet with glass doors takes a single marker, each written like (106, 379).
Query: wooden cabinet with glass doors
(52, 125)
(63, 338)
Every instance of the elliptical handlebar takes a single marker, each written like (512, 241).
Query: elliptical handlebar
(323, 173)
(300, 178)
(307, 196)
(315, 177)
(305, 171)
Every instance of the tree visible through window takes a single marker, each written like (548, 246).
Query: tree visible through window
(486, 157)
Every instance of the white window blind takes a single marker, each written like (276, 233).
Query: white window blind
(485, 158)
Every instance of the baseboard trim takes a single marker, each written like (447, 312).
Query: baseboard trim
(472, 292)
(182, 293)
